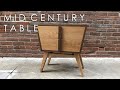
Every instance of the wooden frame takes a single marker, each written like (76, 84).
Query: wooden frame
(62, 47)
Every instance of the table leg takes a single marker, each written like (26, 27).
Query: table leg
(44, 61)
(77, 56)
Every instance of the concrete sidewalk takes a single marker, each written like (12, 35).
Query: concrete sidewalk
(60, 68)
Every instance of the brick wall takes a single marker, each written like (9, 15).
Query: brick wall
(102, 38)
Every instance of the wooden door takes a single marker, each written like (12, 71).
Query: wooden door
(72, 37)
(49, 38)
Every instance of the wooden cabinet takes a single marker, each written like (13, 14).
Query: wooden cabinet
(61, 39)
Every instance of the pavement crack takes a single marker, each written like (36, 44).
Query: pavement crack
(11, 72)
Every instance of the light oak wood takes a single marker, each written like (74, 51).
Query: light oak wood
(49, 37)
(49, 44)
(52, 54)
(49, 58)
(77, 56)
(81, 61)
(72, 37)
(44, 61)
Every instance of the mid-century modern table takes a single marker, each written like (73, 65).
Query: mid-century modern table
(61, 40)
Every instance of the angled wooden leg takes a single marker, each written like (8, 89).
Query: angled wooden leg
(44, 61)
(79, 63)
(49, 58)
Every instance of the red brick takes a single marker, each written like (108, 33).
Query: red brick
(19, 47)
(94, 45)
(113, 14)
(91, 41)
(116, 26)
(107, 42)
(101, 14)
(10, 47)
(112, 38)
(6, 43)
(101, 49)
(117, 48)
(24, 39)
(106, 34)
(2, 39)
(20, 51)
(109, 49)
(114, 53)
(22, 47)
(101, 52)
(106, 22)
(35, 48)
(116, 42)
(95, 34)
(28, 47)
(18, 43)
(12, 39)
(116, 34)
(34, 40)
(112, 30)
(2, 30)
(3, 47)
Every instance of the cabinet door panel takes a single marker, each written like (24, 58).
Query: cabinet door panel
(72, 37)
(49, 37)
